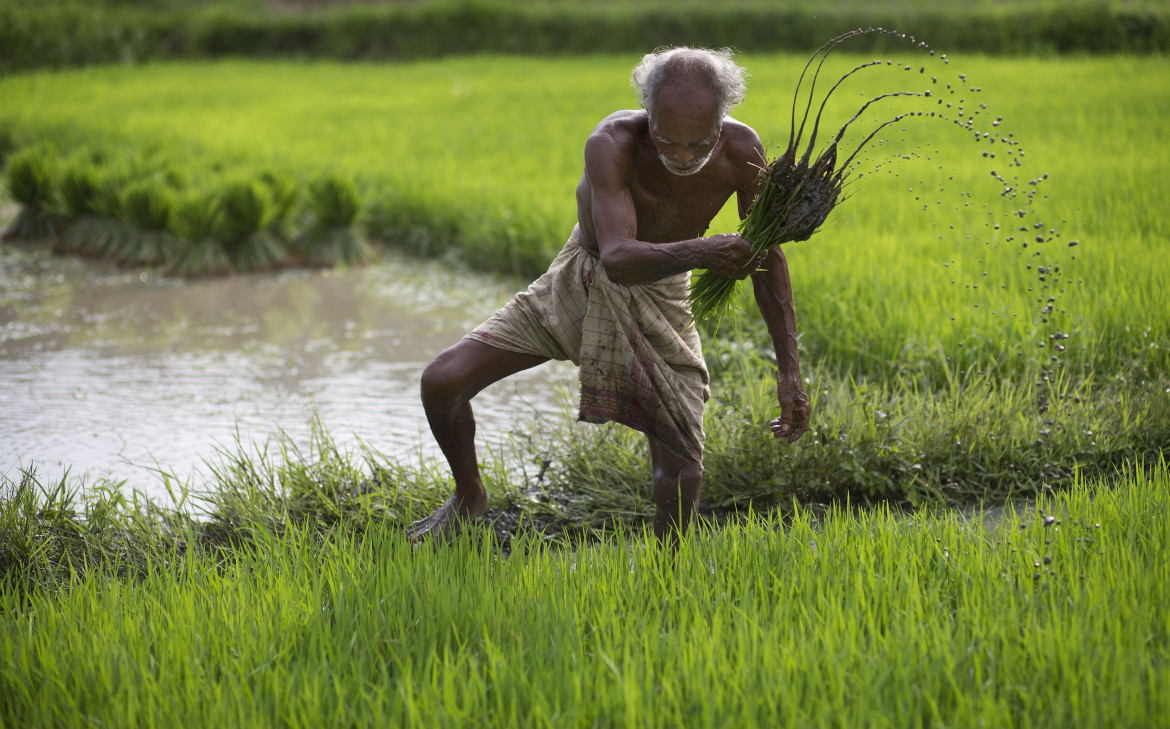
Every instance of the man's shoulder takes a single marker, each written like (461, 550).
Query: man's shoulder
(621, 126)
(743, 151)
(613, 142)
(742, 139)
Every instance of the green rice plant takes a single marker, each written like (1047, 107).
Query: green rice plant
(246, 209)
(195, 220)
(284, 199)
(829, 616)
(30, 183)
(175, 177)
(109, 234)
(332, 237)
(334, 200)
(77, 189)
(887, 289)
(147, 206)
(796, 193)
(322, 246)
(246, 212)
(7, 145)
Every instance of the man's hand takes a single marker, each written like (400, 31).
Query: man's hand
(729, 255)
(794, 409)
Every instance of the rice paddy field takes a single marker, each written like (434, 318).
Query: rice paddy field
(1049, 616)
(983, 321)
(477, 159)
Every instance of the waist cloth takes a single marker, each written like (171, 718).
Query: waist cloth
(641, 363)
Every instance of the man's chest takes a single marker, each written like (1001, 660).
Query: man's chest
(669, 210)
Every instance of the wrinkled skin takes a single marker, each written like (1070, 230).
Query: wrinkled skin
(648, 193)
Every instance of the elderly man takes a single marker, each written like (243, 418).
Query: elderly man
(614, 301)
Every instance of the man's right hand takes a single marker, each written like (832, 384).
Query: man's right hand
(729, 255)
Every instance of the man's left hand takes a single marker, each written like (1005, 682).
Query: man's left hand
(794, 410)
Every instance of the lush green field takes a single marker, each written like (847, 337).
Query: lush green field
(929, 355)
(1052, 616)
(479, 159)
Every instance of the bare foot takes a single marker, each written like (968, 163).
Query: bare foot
(448, 519)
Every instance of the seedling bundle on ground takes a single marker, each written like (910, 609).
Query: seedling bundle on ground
(186, 220)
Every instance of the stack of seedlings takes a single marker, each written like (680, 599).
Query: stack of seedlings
(333, 238)
(249, 231)
(147, 207)
(796, 193)
(79, 189)
(139, 211)
(31, 184)
(111, 234)
(197, 220)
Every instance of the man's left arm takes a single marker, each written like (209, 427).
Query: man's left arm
(773, 292)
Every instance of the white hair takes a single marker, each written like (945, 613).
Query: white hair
(728, 79)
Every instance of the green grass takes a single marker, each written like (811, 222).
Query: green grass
(282, 592)
(920, 342)
(477, 160)
(1049, 616)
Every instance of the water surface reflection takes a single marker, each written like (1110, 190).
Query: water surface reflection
(110, 373)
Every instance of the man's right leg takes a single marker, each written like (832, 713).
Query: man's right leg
(677, 482)
(449, 383)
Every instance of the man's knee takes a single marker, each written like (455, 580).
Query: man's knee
(678, 482)
(444, 382)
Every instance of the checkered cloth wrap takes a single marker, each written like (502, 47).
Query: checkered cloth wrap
(637, 347)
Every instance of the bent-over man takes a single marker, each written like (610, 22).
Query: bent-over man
(614, 301)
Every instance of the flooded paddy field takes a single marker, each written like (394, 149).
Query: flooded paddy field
(115, 373)
(947, 360)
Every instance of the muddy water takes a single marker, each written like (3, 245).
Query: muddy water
(114, 374)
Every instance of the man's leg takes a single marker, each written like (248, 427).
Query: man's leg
(677, 481)
(448, 384)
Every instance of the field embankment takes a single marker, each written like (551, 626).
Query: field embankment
(61, 33)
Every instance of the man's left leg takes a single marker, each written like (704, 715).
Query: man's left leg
(677, 481)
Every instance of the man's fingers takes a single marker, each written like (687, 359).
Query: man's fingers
(783, 428)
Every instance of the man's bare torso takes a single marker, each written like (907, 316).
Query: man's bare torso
(670, 207)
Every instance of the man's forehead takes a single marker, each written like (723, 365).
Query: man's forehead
(686, 126)
(686, 91)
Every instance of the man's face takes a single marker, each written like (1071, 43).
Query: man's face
(685, 128)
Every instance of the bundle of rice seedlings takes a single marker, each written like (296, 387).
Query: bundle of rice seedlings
(195, 220)
(284, 197)
(246, 211)
(147, 206)
(796, 191)
(77, 192)
(7, 145)
(333, 237)
(111, 233)
(175, 178)
(30, 183)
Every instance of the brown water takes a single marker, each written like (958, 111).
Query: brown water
(110, 373)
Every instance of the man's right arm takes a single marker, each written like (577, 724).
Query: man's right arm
(628, 260)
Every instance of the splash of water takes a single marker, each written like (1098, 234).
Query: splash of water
(822, 183)
(1023, 227)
